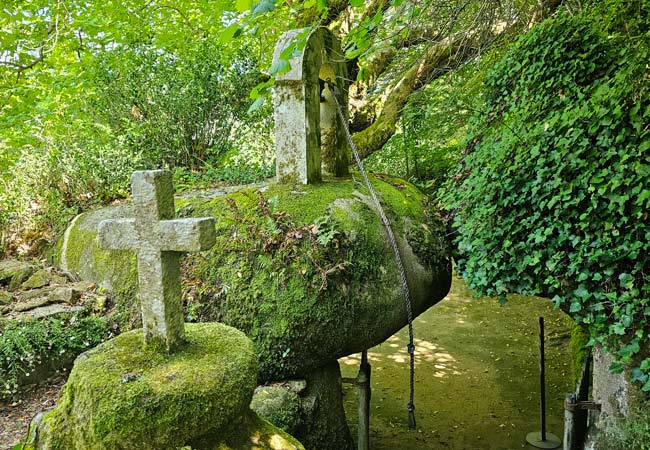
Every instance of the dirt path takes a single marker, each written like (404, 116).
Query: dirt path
(477, 376)
(15, 416)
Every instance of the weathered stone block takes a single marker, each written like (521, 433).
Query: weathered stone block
(32, 303)
(307, 131)
(6, 298)
(39, 279)
(11, 269)
(279, 406)
(68, 295)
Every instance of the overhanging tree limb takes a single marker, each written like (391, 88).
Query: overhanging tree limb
(444, 54)
(438, 59)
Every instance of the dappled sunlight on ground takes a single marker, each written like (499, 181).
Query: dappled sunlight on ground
(395, 350)
(476, 376)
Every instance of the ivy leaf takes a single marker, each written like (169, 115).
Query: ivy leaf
(279, 67)
(616, 367)
(626, 280)
(257, 104)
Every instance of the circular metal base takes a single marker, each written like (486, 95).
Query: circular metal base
(535, 439)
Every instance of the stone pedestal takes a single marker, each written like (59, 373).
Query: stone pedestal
(121, 395)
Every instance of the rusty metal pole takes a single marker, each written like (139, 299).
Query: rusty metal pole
(542, 439)
(363, 388)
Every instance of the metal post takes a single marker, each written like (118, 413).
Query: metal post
(542, 378)
(542, 439)
(569, 422)
(363, 387)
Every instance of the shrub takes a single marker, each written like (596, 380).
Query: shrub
(24, 346)
(554, 193)
(629, 433)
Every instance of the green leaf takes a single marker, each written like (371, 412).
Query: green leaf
(244, 5)
(646, 386)
(279, 67)
(257, 104)
(616, 367)
(626, 280)
(229, 33)
(356, 3)
(262, 7)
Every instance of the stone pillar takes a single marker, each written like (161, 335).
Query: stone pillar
(307, 132)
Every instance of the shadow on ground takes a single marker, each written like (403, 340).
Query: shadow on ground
(477, 376)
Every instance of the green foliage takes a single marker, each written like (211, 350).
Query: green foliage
(25, 346)
(113, 88)
(174, 109)
(430, 137)
(554, 193)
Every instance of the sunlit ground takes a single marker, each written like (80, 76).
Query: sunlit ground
(477, 376)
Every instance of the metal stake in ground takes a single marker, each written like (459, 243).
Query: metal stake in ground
(542, 439)
(393, 243)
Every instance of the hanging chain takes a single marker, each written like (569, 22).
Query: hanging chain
(393, 243)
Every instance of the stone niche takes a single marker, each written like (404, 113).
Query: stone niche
(309, 139)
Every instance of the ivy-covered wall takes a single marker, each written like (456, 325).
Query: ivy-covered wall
(554, 193)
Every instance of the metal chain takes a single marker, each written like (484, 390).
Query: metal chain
(393, 243)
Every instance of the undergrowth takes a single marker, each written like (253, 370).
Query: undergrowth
(26, 346)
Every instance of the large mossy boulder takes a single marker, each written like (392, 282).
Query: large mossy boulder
(122, 395)
(305, 271)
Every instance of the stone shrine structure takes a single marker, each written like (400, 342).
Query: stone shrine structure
(308, 138)
(302, 313)
(158, 240)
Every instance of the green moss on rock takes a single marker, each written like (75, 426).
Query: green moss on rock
(123, 396)
(279, 406)
(305, 271)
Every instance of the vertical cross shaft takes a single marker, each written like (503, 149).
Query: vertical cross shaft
(158, 240)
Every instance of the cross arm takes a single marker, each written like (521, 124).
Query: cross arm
(117, 234)
(187, 235)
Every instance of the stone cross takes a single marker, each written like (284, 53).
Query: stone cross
(308, 136)
(158, 239)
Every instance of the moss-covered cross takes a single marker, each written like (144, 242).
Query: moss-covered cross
(158, 239)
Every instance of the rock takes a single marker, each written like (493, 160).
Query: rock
(67, 294)
(50, 310)
(37, 280)
(6, 298)
(58, 280)
(34, 293)
(296, 386)
(83, 286)
(98, 303)
(13, 273)
(123, 395)
(279, 406)
(271, 286)
(32, 303)
(325, 426)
